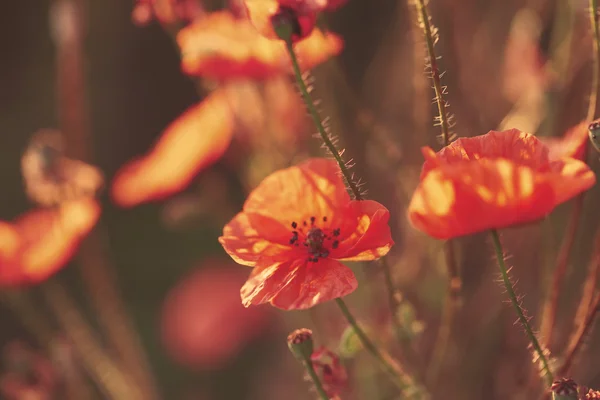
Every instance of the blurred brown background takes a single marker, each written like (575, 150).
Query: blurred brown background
(135, 89)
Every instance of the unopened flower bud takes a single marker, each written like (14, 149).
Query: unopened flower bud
(564, 389)
(301, 343)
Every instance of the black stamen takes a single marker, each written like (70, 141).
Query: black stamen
(335, 244)
(324, 219)
(294, 225)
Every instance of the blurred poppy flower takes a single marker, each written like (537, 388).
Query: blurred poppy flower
(492, 181)
(572, 144)
(28, 375)
(166, 11)
(193, 141)
(295, 228)
(40, 242)
(203, 324)
(222, 47)
(330, 371)
(50, 177)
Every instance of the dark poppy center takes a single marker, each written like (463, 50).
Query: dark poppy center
(318, 241)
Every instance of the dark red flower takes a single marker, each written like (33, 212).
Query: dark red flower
(295, 228)
(492, 181)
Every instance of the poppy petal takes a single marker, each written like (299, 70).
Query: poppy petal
(572, 144)
(223, 47)
(48, 239)
(246, 245)
(298, 285)
(572, 177)
(520, 147)
(372, 238)
(310, 189)
(470, 197)
(192, 142)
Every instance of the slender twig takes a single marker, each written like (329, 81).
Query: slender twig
(401, 378)
(96, 270)
(312, 110)
(593, 14)
(519, 309)
(578, 339)
(308, 365)
(562, 261)
(453, 294)
(551, 304)
(589, 286)
(102, 369)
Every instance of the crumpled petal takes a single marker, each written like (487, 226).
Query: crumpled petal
(297, 284)
(372, 237)
(247, 246)
(192, 142)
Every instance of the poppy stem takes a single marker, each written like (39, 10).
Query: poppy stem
(593, 10)
(519, 309)
(314, 377)
(402, 380)
(325, 136)
(103, 370)
(453, 300)
(431, 37)
(577, 340)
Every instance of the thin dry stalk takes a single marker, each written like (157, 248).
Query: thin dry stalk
(68, 23)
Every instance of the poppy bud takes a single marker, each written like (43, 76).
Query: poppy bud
(301, 343)
(564, 389)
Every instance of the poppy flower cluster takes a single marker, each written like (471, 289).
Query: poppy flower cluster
(492, 181)
(223, 48)
(295, 229)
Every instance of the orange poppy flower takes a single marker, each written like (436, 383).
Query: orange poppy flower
(295, 228)
(572, 144)
(492, 181)
(193, 141)
(39, 243)
(222, 47)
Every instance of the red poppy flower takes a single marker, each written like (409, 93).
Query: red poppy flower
(39, 243)
(295, 228)
(222, 47)
(203, 324)
(330, 371)
(572, 144)
(492, 181)
(193, 141)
